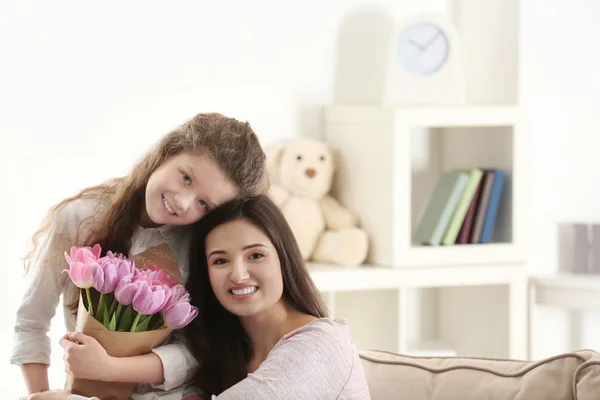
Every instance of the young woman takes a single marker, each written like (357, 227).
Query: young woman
(263, 331)
(205, 162)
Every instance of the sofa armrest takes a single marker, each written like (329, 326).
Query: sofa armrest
(586, 381)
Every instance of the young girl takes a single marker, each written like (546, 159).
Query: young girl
(263, 331)
(205, 162)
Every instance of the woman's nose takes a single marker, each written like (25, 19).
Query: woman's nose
(239, 272)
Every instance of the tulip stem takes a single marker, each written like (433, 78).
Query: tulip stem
(135, 322)
(89, 299)
(118, 312)
(111, 310)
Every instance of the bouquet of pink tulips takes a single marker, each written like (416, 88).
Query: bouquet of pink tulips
(131, 299)
(129, 305)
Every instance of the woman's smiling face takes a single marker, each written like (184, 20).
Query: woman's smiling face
(244, 268)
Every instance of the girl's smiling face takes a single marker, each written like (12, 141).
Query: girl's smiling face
(183, 189)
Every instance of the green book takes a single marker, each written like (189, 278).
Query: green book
(442, 204)
(475, 175)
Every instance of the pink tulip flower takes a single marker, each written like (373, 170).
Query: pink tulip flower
(83, 266)
(179, 314)
(178, 293)
(82, 273)
(81, 254)
(113, 269)
(158, 274)
(150, 298)
(106, 277)
(126, 290)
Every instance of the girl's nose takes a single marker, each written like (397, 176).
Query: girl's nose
(184, 201)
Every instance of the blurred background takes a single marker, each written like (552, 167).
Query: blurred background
(86, 88)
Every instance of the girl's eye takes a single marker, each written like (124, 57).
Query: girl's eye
(256, 256)
(220, 261)
(187, 179)
(203, 204)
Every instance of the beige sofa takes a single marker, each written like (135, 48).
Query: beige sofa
(566, 376)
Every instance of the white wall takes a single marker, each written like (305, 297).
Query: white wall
(560, 89)
(86, 88)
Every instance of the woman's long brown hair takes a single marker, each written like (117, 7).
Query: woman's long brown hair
(230, 143)
(216, 336)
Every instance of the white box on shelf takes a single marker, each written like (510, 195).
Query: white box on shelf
(391, 158)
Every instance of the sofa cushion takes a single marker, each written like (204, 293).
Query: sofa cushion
(399, 377)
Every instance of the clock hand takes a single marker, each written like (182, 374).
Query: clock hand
(430, 41)
(415, 44)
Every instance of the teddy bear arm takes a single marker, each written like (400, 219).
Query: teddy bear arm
(337, 216)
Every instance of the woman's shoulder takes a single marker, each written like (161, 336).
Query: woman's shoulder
(323, 336)
(321, 351)
(336, 326)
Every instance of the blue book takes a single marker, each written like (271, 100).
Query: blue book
(491, 214)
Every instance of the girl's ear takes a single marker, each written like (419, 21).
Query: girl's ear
(274, 153)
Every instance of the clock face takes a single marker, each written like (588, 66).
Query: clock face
(423, 48)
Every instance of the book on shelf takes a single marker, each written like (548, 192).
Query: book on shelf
(458, 217)
(446, 196)
(482, 206)
(463, 208)
(491, 213)
(467, 227)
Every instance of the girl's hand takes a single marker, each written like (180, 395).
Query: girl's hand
(85, 358)
(50, 395)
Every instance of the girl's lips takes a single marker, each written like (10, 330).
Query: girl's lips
(167, 206)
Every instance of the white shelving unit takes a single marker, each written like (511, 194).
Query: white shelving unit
(575, 293)
(390, 160)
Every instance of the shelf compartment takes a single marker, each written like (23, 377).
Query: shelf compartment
(384, 177)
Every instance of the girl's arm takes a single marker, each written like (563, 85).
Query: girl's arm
(36, 377)
(146, 368)
(167, 367)
(31, 346)
(85, 358)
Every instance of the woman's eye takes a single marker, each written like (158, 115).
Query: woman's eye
(203, 204)
(187, 179)
(256, 256)
(220, 261)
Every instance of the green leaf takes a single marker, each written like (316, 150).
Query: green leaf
(157, 323)
(105, 317)
(143, 324)
(127, 318)
(100, 309)
(112, 325)
(136, 321)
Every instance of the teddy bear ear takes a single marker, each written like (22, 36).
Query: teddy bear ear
(274, 153)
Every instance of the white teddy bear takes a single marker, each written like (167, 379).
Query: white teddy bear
(301, 173)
